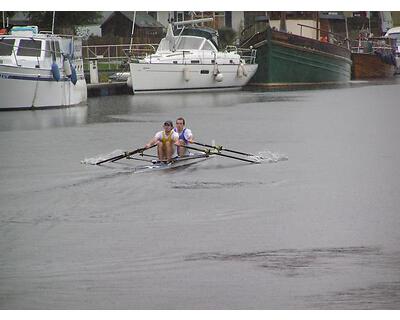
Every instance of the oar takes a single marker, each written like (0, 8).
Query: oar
(124, 155)
(207, 151)
(220, 148)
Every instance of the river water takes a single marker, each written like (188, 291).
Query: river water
(316, 225)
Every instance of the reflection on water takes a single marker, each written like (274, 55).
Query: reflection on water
(119, 108)
(43, 118)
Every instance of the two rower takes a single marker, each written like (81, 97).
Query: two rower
(171, 139)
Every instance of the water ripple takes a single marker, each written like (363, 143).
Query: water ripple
(209, 185)
(292, 262)
(383, 295)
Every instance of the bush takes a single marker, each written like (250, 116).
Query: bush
(227, 37)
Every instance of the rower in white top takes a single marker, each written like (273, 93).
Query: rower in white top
(185, 137)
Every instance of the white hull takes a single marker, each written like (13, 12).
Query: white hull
(147, 77)
(178, 163)
(22, 87)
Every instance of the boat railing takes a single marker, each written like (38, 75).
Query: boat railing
(331, 37)
(247, 54)
(371, 45)
(117, 55)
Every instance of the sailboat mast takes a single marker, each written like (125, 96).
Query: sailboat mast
(133, 30)
(52, 24)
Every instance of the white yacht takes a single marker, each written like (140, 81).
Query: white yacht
(39, 70)
(191, 61)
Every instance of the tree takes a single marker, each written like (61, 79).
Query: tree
(64, 20)
(227, 37)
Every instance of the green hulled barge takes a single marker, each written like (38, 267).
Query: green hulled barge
(286, 59)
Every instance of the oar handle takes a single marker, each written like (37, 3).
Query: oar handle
(220, 148)
(206, 151)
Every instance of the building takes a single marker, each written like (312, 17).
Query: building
(146, 30)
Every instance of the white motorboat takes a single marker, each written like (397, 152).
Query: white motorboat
(39, 70)
(191, 61)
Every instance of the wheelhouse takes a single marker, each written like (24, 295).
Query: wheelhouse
(186, 43)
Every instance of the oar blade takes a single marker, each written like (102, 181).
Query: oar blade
(124, 155)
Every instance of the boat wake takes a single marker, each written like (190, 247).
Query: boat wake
(269, 157)
(96, 159)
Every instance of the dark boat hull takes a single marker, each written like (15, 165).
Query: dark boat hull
(287, 59)
(370, 66)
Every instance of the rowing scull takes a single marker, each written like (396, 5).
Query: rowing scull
(175, 163)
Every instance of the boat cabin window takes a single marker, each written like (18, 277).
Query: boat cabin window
(57, 47)
(208, 46)
(29, 48)
(186, 43)
(163, 45)
(6, 46)
(52, 48)
(48, 49)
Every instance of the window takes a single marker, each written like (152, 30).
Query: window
(48, 49)
(208, 46)
(164, 45)
(186, 43)
(180, 16)
(6, 46)
(29, 48)
(52, 49)
(57, 47)
(219, 19)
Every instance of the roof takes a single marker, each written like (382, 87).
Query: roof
(142, 19)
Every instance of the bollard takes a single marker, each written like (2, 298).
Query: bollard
(94, 72)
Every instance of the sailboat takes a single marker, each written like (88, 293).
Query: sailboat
(192, 61)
